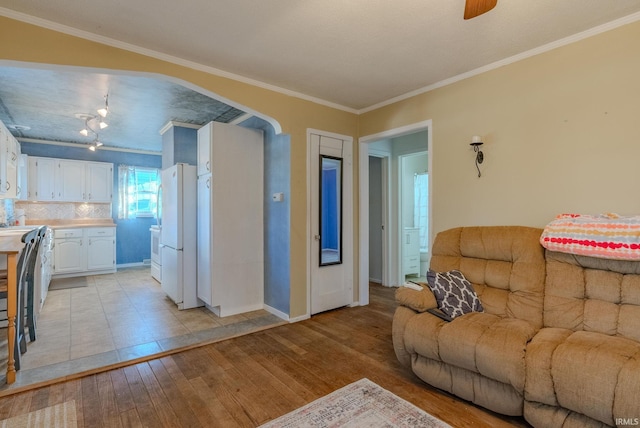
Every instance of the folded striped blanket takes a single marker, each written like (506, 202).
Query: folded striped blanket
(607, 236)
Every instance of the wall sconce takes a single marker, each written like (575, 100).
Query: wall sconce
(476, 142)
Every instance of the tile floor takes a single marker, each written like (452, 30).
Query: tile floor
(115, 318)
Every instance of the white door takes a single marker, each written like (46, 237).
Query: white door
(70, 255)
(100, 252)
(99, 182)
(172, 207)
(70, 179)
(203, 241)
(172, 273)
(331, 212)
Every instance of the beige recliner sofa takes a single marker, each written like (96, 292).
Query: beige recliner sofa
(583, 367)
(558, 341)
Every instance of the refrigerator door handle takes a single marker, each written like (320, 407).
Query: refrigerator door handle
(158, 195)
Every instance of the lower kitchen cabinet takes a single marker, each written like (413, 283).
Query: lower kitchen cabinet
(43, 271)
(83, 251)
(101, 248)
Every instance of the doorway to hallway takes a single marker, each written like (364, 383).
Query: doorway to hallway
(392, 145)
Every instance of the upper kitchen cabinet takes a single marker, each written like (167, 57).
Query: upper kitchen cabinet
(99, 181)
(40, 181)
(9, 163)
(23, 177)
(204, 150)
(68, 180)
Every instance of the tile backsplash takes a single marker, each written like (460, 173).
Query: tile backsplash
(6, 211)
(64, 210)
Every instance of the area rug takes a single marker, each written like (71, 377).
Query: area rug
(58, 416)
(65, 283)
(360, 404)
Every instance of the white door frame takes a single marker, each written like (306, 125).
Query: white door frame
(363, 168)
(386, 211)
(347, 213)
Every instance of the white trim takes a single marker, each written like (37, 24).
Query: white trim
(363, 168)
(173, 123)
(276, 126)
(215, 71)
(276, 312)
(241, 118)
(128, 265)
(349, 140)
(162, 56)
(510, 60)
(85, 146)
(300, 318)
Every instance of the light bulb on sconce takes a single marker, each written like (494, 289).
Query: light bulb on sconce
(476, 142)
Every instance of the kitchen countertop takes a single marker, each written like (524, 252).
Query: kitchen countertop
(64, 224)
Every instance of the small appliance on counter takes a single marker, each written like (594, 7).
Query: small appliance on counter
(20, 217)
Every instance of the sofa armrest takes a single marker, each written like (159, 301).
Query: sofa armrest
(419, 301)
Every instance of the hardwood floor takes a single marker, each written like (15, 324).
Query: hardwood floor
(252, 379)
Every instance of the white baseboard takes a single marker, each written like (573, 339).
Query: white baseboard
(276, 312)
(126, 265)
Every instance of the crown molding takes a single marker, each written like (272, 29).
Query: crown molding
(19, 16)
(221, 73)
(515, 58)
(84, 146)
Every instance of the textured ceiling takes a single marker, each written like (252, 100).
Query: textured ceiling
(47, 103)
(354, 54)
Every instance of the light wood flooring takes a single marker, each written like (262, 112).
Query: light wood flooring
(249, 380)
(105, 320)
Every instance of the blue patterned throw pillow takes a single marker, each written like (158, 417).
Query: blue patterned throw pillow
(454, 293)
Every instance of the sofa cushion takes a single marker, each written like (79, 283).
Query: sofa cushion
(489, 345)
(419, 301)
(585, 293)
(539, 382)
(505, 264)
(454, 294)
(587, 369)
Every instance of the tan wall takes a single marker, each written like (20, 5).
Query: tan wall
(561, 130)
(562, 134)
(28, 43)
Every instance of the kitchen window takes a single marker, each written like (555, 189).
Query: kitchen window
(137, 191)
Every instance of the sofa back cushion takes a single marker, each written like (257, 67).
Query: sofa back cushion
(505, 264)
(592, 294)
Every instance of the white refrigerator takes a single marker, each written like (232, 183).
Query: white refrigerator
(178, 235)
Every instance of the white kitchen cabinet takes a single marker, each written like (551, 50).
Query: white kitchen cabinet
(99, 181)
(84, 251)
(41, 181)
(203, 239)
(70, 180)
(204, 151)
(230, 219)
(101, 248)
(411, 251)
(42, 276)
(23, 177)
(4, 144)
(12, 147)
(66, 180)
(70, 254)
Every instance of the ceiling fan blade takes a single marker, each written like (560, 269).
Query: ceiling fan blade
(474, 8)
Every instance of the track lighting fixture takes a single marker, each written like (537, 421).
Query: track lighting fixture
(105, 110)
(93, 124)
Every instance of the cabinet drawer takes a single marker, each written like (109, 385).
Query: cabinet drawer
(412, 268)
(67, 233)
(412, 260)
(101, 231)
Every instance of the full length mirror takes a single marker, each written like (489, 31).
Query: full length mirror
(330, 210)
